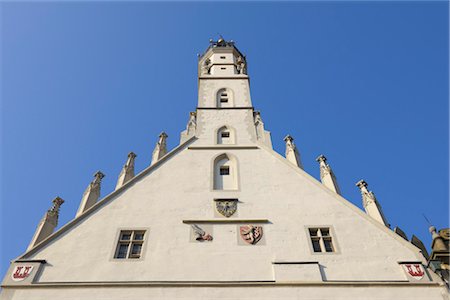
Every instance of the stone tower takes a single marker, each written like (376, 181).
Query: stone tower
(223, 216)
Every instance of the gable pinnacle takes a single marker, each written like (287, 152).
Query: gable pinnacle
(327, 176)
(292, 153)
(91, 194)
(371, 204)
(160, 148)
(47, 224)
(127, 171)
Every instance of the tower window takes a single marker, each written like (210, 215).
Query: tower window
(321, 240)
(224, 170)
(224, 98)
(130, 244)
(225, 135)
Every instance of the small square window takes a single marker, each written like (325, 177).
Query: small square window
(225, 170)
(321, 240)
(130, 244)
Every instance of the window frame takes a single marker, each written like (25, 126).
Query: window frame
(331, 235)
(130, 243)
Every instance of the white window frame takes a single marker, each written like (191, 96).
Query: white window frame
(132, 241)
(331, 235)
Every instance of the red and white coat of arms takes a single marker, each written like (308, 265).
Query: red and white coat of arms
(415, 270)
(20, 273)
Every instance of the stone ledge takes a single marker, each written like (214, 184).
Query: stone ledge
(226, 221)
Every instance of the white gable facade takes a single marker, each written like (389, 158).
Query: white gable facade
(223, 216)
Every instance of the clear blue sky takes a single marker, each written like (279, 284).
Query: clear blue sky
(83, 84)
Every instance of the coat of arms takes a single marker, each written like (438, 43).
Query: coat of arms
(226, 207)
(200, 234)
(251, 234)
(415, 270)
(21, 272)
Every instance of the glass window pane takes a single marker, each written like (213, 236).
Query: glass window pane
(125, 236)
(325, 231)
(313, 231)
(135, 250)
(224, 170)
(122, 251)
(139, 236)
(328, 245)
(316, 245)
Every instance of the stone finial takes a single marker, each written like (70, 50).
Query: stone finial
(160, 148)
(192, 123)
(127, 171)
(259, 125)
(91, 194)
(47, 224)
(437, 243)
(327, 176)
(292, 153)
(370, 203)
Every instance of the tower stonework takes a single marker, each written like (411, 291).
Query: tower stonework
(222, 216)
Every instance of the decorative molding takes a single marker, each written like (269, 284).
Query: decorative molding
(104, 284)
(222, 146)
(226, 221)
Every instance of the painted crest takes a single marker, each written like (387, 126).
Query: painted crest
(251, 234)
(20, 273)
(226, 207)
(200, 234)
(415, 270)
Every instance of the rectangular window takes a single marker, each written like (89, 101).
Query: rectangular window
(130, 244)
(225, 134)
(222, 57)
(223, 100)
(225, 170)
(223, 68)
(321, 240)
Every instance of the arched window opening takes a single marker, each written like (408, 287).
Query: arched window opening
(224, 98)
(225, 173)
(225, 136)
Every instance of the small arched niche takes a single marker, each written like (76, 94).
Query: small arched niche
(225, 136)
(224, 98)
(225, 173)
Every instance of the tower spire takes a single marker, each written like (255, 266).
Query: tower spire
(292, 153)
(47, 224)
(160, 148)
(91, 194)
(327, 176)
(371, 204)
(127, 171)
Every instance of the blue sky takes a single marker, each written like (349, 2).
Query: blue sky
(83, 84)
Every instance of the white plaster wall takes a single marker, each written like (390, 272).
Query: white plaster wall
(208, 89)
(211, 120)
(227, 292)
(181, 189)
